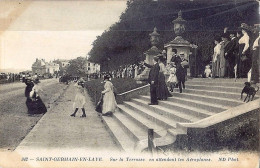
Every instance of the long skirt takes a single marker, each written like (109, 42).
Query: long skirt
(36, 107)
(109, 103)
(162, 90)
(255, 66)
(215, 68)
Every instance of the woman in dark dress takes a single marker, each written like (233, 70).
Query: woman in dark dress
(256, 61)
(37, 105)
(162, 91)
(28, 89)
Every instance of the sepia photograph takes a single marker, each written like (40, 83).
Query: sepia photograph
(129, 83)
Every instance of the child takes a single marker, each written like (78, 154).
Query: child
(172, 80)
(79, 101)
(207, 71)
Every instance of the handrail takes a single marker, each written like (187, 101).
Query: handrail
(223, 116)
(121, 94)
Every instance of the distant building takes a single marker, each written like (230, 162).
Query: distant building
(92, 67)
(62, 62)
(41, 67)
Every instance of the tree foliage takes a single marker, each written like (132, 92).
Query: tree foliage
(77, 67)
(126, 40)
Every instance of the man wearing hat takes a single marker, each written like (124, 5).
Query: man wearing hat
(153, 80)
(181, 71)
(230, 54)
(255, 77)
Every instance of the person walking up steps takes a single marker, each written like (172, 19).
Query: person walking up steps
(109, 101)
(79, 101)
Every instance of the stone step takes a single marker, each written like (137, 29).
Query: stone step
(132, 129)
(215, 88)
(119, 135)
(233, 96)
(216, 83)
(210, 99)
(149, 118)
(195, 103)
(143, 122)
(173, 113)
(199, 112)
(231, 80)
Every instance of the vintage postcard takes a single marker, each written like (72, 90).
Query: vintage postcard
(129, 83)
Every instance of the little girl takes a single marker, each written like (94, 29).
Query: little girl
(172, 80)
(79, 101)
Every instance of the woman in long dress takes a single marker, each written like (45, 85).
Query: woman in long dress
(37, 105)
(79, 101)
(244, 51)
(256, 61)
(109, 100)
(28, 89)
(216, 59)
(222, 60)
(162, 91)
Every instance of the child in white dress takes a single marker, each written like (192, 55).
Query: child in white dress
(79, 101)
(207, 71)
(172, 80)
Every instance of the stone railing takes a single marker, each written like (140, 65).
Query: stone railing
(127, 96)
(235, 129)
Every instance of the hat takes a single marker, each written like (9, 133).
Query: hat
(245, 27)
(107, 76)
(181, 53)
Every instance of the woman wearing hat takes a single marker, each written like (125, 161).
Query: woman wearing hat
(244, 51)
(162, 91)
(216, 58)
(37, 105)
(109, 100)
(222, 60)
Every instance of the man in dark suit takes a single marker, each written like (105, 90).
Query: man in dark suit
(230, 55)
(153, 80)
(181, 64)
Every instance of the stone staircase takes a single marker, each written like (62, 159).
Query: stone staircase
(202, 98)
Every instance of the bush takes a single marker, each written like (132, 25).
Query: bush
(94, 87)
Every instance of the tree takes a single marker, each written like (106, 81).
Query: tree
(77, 67)
(126, 40)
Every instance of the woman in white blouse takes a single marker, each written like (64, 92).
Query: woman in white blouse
(216, 58)
(244, 51)
(109, 100)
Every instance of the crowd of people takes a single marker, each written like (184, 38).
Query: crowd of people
(125, 71)
(9, 77)
(236, 55)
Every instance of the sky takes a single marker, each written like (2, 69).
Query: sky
(52, 29)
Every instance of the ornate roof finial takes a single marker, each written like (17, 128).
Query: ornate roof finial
(180, 14)
(154, 33)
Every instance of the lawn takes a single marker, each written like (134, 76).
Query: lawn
(94, 87)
